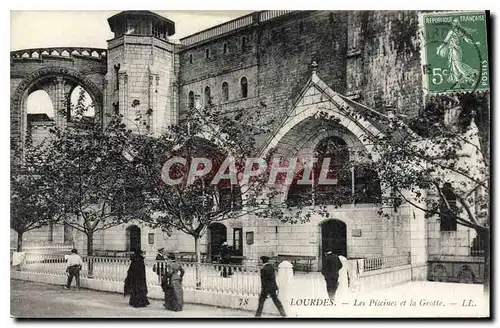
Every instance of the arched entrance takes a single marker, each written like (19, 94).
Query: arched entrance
(217, 234)
(333, 237)
(133, 238)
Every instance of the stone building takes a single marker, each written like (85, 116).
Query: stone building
(366, 60)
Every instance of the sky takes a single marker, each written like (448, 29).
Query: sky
(89, 28)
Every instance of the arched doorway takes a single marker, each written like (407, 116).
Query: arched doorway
(133, 238)
(333, 237)
(217, 235)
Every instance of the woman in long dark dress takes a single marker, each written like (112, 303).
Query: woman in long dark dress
(135, 283)
(172, 285)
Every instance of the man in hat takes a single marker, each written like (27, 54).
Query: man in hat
(225, 258)
(330, 270)
(73, 266)
(159, 266)
(268, 287)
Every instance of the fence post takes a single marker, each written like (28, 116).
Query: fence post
(285, 284)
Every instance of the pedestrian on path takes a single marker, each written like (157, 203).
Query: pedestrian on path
(73, 267)
(330, 271)
(268, 287)
(172, 285)
(225, 260)
(135, 283)
(159, 266)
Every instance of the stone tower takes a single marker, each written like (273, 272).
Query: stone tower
(142, 67)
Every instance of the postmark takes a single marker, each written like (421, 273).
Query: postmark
(455, 53)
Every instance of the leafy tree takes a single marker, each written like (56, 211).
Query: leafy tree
(227, 140)
(439, 162)
(90, 182)
(29, 208)
(89, 179)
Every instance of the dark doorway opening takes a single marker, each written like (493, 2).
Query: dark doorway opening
(217, 235)
(333, 237)
(133, 238)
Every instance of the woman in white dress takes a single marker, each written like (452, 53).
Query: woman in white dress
(343, 286)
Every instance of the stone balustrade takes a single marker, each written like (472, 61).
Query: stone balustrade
(233, 25)
(65, 52)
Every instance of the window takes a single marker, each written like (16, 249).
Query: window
(225, 91)
(160, 32)
(117, 79)
(208, 101)
(237, 237)
(207, 53)
(243, 43)
(116, 108)
(447, 219)
(191, 100)
(190, 58)
(225, 50)
(151, 238)
(244, 87)
(359, 183)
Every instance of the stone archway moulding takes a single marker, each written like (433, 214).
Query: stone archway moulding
(359, 128)
(32, 78)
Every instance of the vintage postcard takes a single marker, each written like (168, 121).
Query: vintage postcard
(272, 163)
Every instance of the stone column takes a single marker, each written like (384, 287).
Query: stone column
(285, 285)
(123, 99)
(61, 102)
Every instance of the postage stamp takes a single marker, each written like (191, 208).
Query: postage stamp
(456, 52)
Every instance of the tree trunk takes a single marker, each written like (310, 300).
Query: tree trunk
(486, 242)
(198, 260)
(20, 241)
(90, 252)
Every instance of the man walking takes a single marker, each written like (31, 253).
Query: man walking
(225, 259)
(160, 265)
(73, 266)
(268, 287)
(330, 270)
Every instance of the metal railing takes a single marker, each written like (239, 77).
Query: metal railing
(223, 278)
(477, 248)
(377, 263)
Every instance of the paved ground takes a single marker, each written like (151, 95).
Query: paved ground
(29, 299)
(414, 299)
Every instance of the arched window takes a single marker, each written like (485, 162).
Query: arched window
(225, 91)
(348, 183)
(208, 100)
(335, 149)
(81, 107)
(243, 43)
(191, 100)
(226, 49)
(244, 87)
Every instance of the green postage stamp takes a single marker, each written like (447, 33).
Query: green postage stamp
(455, 51)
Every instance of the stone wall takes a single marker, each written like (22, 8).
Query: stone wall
(372, 56)
(384, 61)
(457, 242)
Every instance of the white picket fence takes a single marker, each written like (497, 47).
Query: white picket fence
(241, 280)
